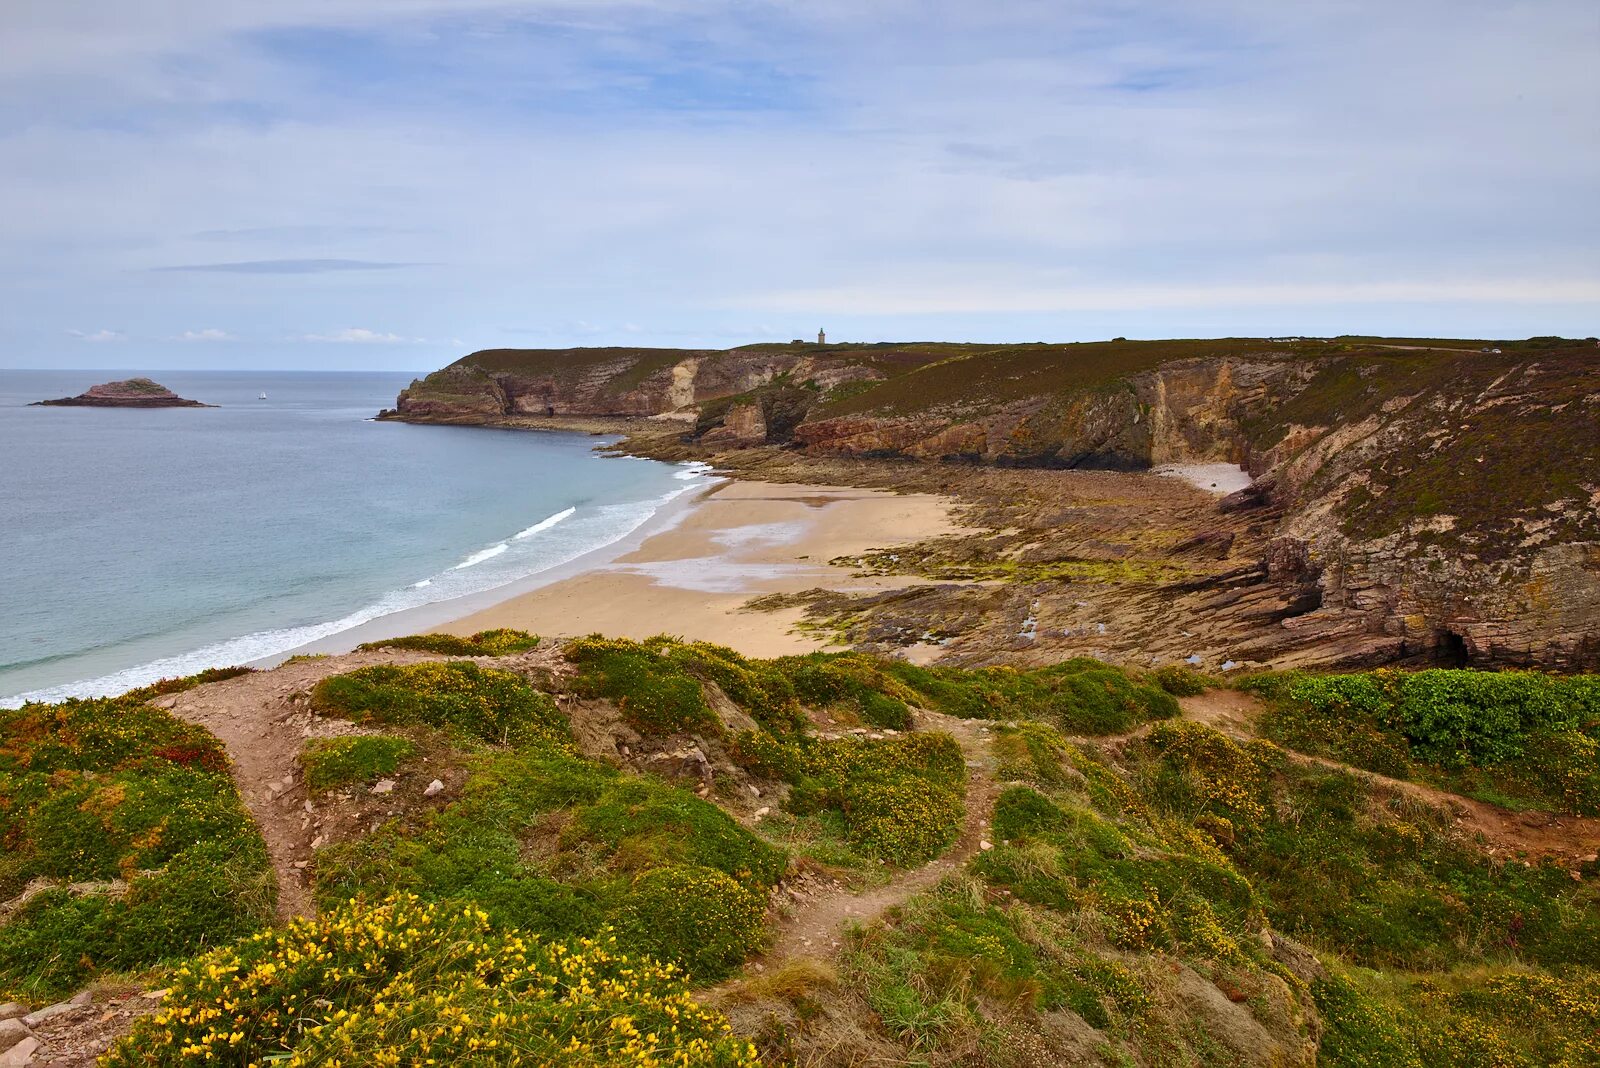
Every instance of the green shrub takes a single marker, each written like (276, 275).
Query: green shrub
(1080, 696)
(119, 793)
(658, 684)
(1514, 735)
(411, 983)
(1019, 812)
(764, 755)
(164, 687)
(492, 706)
(1178, 680)
(499, 642)
(904, 821)
(650, 823)
(654, 694)
(852, 681)
(547, 843)
(697, 916)
(331, 762)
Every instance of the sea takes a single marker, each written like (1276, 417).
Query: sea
(138, 544)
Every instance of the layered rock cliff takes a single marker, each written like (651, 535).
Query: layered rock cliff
(1436, 500)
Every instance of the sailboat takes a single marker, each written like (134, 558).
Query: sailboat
(262, 397)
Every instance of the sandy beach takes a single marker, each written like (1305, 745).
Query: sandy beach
(738, 541)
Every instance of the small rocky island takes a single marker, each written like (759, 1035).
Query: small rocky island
(129, 393)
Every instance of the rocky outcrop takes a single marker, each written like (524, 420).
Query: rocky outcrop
(129, 393)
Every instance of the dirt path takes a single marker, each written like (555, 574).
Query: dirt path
(264, 720)
(815, 927)
(1522, 835)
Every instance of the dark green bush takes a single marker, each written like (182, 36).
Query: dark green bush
(658, 684)
(492, 706)
(502, 641)
(852, 681)
(650, 823)
(331, 762)
(1518, 735)
(1080, 696)
(1019, 812)
(655, 695)
(698, 917)
(904, 821)
(552, 844)
(119, 793)
(1178, 680)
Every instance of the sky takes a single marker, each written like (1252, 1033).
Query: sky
(350, 184)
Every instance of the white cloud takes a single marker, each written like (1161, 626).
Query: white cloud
(980, 296)
(205, 335)
(361, 336)
(98, 335)
(656, 162)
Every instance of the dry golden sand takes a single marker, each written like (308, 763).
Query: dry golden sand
(739, 541)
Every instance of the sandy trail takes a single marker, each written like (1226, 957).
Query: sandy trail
(264, 720)
(814, 928)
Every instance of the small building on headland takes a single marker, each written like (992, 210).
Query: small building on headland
(822, 337)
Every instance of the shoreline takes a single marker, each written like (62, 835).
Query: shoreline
(437, 615)
(738, 540)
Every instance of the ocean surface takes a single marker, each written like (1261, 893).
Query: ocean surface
(140, 544)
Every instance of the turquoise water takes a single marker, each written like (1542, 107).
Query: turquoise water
(137, 544)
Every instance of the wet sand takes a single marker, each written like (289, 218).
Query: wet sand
(739, 541)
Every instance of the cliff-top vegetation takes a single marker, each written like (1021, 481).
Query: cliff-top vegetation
(1130, 886)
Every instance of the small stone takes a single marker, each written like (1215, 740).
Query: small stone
(49, 1012)
(12, 1009)
(307, 806)
(20, 1054)
(82, 997)
(156, 995)
(435, 787)
(384, 786)
(12, 1032)
(302, 863)
(762, 811)
(318, 841)
(985, 844)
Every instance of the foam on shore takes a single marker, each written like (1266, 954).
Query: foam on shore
(548, 544)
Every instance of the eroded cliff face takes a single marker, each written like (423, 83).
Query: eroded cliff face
(1453, 511)
(499, 384)
(1437, 504)
(1188, 411)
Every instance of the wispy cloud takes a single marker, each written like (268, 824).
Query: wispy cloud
(978, 296)
(98, 335)
(308, 234)
(289, 266)
(205, 335)
(663, 171)
(357, 335)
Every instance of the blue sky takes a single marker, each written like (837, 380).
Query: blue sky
(391, 183)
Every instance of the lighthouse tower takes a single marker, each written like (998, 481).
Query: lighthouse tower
(822, 337)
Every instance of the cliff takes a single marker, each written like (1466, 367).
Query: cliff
(129, 393)
(1426, 499)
